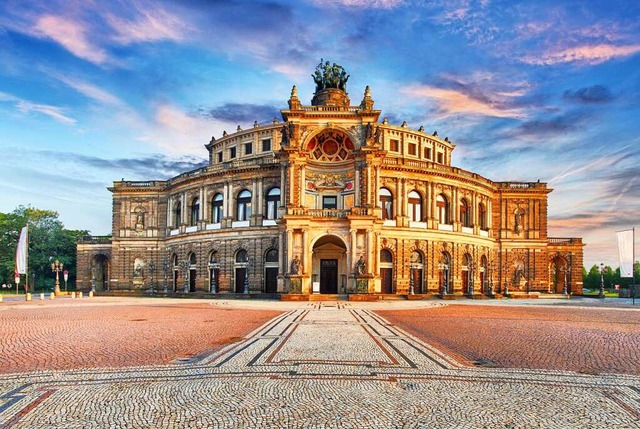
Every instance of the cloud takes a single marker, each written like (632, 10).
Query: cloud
(72, 35)
(592, 94)
(453, 101)
(551, 126)
(155, 167)
(90, 91)
(25, 106)
(151, 24)
(241, 113)
(368, 4)
(584, 54)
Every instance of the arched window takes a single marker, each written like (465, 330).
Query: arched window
(465, 213)
(244, 205)
(273, 201)
(241, 256)
(386, 203)
(216, 208)
(195, 211)
(482, 216)
(177, 215)
(415, 207)
(443, 209)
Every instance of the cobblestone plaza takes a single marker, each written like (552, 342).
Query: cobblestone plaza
(318, 364)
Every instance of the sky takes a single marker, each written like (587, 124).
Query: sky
(93, 91)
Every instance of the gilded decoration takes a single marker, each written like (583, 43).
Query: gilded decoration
(330, 146)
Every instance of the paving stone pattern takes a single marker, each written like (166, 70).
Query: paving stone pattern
(320, 365)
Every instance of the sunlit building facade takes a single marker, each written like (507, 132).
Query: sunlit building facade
(330, 200)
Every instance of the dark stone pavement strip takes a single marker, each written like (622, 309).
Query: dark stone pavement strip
(588, 340)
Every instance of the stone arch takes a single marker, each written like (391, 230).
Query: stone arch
(330, 145)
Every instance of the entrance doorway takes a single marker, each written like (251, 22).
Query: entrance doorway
(271, 271)
(386, 271)
(329, 276)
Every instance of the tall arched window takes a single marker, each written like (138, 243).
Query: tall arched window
(177, 220)
(465, 213)
(443, 209)
(244, 205)
(415, 207)
(195, 211)
(386, 203)
(216, 208)
(482, 217)
(273, 201)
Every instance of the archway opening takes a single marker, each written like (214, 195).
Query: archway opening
(329, 264)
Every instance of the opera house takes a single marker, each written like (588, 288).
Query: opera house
(330, 200)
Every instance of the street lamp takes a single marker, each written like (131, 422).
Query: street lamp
(247, 263)
(56, 267)
(491, 269)
(165, 271)
(152, 268)
(506, 282)
(412, 267)
(445, 284)
(470, 287)
(565, 268)
(213, 266)
(601, 281)
(65, 273)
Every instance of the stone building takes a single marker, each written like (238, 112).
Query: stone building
(330, 201)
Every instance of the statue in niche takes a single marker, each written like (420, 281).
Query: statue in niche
(296, 265)
(518, 221)
(139, 220)
(361, 267)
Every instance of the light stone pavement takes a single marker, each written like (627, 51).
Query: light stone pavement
(319, 365)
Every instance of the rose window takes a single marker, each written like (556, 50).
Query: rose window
(330, 146)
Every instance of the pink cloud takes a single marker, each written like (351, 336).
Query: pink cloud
(72, 35)
(452, 102)
(587, 54)
(150, 25)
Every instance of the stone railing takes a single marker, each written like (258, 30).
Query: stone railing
(559, 240)
(328, 213)
(94, 239)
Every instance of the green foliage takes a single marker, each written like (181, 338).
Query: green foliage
(48, 240)
(610, 276)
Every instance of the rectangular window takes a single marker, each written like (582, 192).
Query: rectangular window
(440, 158)
(413, 149)
(232, 152)
(427, 153)
(266, 145)
(393, 145)
(330, 202)
(219, 154)
(248, 148)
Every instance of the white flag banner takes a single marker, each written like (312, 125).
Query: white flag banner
(625, 252)
(21, 252)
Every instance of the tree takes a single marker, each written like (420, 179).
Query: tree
(592, 279)
(48, 240)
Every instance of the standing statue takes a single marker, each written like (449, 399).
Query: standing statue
(296, 265)
(361, 267)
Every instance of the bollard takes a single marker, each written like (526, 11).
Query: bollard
(28, 297)
(91, 294)
(41, 297)
(73, 295)
(52, 295)
(0, 298)
(79, 294)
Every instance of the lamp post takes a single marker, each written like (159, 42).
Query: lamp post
(601, 281)
(445, 284)
(470, 287)
(152, 268)
(56, 267)
(213, 266)
(65, 274)
(412, 267)
(491, 269)
(184, 265)
(165, 271)
(506, 281)
(565, 268)
(247, 263)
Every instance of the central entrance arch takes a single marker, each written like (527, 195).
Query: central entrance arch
(329, 264)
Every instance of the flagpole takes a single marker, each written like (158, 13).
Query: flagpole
(633, 270)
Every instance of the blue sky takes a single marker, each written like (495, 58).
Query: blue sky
(92, 92)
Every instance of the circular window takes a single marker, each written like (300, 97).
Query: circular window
(330, 146)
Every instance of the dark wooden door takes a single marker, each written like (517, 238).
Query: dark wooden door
(192, 280)
(328, 276)
(386, 275)
(271, 280)
(240, 275)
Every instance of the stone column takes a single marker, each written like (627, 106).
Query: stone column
(354, 245)
(185, 209)
(203, 202)
(357, 198)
